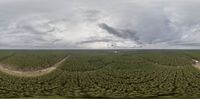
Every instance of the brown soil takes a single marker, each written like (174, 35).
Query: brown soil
(11, 71)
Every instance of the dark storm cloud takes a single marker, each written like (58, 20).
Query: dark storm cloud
(95, 40)
(125, 33)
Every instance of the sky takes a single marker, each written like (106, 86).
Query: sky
(99, 24)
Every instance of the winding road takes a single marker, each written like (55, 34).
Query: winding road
(36, 73)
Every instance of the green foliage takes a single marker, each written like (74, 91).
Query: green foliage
(167, 58)
(5, 54)
(104, 74)
(26, 60)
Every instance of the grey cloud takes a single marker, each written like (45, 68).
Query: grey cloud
(111, 30)
(189, 44)
(56, 40)
(91, 15)
(68, 23)
(34, 31)
(183, 43)
(94, 41)
(126, 34)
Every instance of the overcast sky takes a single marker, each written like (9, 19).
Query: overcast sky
(56, 24)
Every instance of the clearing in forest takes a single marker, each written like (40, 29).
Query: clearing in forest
(32, 73)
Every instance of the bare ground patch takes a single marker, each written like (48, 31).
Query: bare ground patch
(196, 64)
(11, 71)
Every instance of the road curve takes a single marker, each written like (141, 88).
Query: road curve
(36, 73)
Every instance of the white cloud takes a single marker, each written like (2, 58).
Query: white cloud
(75, 24)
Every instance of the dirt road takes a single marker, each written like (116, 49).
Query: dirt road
(41, 72)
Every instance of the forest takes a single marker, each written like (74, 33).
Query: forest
(100, 73)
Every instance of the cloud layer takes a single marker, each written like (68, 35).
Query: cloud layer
(100, 24)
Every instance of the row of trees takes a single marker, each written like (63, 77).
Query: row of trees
(33, 60)
(106, 75)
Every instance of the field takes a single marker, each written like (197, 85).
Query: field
(100, 74)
